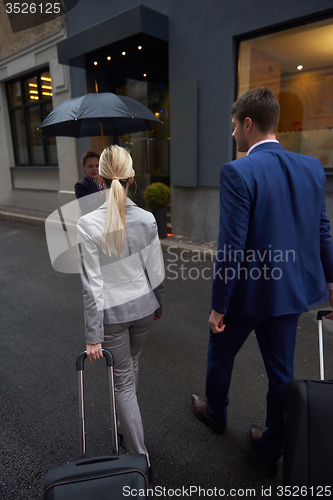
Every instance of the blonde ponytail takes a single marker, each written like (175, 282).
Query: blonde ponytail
(116, 168)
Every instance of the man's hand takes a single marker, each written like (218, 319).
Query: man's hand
(94, 351)
(216, 322)
(330, 296)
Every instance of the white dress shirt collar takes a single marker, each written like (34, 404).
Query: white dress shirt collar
(260, 142)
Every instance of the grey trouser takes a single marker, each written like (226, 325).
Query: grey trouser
(125, 342)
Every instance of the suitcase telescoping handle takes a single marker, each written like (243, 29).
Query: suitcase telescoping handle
(82, 430)
(320, 316)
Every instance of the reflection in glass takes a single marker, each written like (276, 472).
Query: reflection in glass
(31, 89)
(15, 94)
(36, 139)
(21, 139)
(51, 144)
(46, 84)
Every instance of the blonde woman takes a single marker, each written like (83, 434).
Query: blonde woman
(122, 276)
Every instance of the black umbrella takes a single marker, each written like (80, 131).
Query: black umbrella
(98, 114)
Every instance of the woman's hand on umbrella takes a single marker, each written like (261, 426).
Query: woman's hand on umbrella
(94, 351)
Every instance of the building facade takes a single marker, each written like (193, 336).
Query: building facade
(35, 174)
(187, 61)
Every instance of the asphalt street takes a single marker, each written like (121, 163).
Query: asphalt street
(42, 333)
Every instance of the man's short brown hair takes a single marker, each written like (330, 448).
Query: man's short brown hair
(259, 104)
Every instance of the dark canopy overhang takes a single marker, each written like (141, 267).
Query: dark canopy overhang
(139, 19)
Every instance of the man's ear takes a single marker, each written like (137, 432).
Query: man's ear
(248, 124)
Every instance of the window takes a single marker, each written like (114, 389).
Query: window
(297, 65)
(30, 101)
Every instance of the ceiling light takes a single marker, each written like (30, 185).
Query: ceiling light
(123, 53)
(95, 63)
(140, 47)
(46, 79)
(145, 74)
(299, 67)
(109, 58)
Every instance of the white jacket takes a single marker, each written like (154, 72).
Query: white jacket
(119, 289)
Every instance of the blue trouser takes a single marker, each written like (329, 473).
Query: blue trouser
(276, 337)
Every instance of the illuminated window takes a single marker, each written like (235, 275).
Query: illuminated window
(297, 65)
(29, 102)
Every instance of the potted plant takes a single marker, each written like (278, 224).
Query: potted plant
(157, 197)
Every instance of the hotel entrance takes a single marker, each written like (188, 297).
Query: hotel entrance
(137, 67)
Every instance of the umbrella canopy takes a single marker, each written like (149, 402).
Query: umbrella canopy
(95, 114)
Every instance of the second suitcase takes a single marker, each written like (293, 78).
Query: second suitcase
(308, 442)
(100, 478)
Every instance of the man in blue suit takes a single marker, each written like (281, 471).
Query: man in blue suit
(274, 261)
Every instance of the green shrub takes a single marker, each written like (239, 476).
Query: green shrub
(157, 195)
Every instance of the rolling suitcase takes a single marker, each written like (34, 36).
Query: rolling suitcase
(308, 439)
(101, 478)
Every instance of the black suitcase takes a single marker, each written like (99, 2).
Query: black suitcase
(102, 478)
(308, 438)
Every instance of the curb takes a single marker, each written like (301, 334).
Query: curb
(26, 219)
(181, 242)
(185, 243)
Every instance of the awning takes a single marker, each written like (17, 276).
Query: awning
(139, 19)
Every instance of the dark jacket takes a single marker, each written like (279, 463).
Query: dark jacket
(89, 196)
(84, 187)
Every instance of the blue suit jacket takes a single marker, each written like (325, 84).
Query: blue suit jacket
(275, 250)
